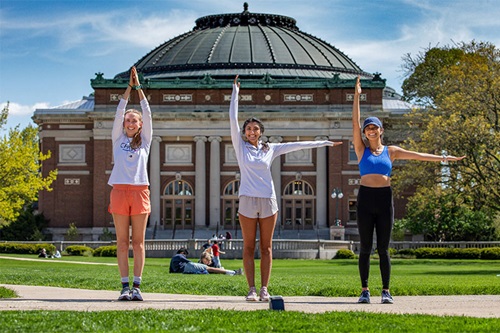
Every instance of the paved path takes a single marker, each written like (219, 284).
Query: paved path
(54, 298)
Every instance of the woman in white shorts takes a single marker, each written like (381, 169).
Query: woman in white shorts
(257, 197)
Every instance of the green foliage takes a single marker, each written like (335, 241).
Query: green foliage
(344, 254)
(72, 233)
(27, 227)
(462, 86)
(490, 253)
(443, 214)
(21, 177)
(79, 250)
(26, 248)
(105, 251)
(454, 253)
(7, 293)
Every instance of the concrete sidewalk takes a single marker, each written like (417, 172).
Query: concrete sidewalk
(68, 299)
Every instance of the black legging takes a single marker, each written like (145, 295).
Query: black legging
(375, 211)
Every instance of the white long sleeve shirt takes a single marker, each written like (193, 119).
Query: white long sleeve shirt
(130, 165)
(255, 162)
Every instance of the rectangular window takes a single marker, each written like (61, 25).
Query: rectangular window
(353, 216)
(352, 153)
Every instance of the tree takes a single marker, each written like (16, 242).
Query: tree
(28, 226)
(461, 93)
(20, 175)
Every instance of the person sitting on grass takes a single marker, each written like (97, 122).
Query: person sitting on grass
(181, 264)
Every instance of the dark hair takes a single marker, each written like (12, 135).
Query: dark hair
(254, 120)
(183, 250)
(261, 126)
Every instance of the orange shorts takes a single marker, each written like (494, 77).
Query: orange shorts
(129, 200)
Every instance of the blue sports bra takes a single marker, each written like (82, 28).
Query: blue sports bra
(380, 165)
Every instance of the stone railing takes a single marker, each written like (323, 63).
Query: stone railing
(282, 248)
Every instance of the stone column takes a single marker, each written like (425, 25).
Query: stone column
(200, 190)
(214, 199)
(154, 181)
(321, 185)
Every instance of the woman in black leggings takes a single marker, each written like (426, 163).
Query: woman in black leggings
(375, 203)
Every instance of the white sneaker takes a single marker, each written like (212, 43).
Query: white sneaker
(252, 295)
(124, 294)
(263, 295)
(136, 294)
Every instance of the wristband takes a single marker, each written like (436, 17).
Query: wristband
(135, 87)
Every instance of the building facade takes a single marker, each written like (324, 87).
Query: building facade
(299, 86)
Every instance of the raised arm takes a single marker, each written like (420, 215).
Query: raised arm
(359, 145)
(147, 122)
(120, 110)
(233, 114)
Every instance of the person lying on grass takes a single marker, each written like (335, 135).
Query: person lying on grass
(181, 264)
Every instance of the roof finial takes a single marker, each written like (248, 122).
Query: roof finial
(245, 6)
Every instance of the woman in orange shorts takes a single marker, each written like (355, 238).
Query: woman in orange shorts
(129, 199)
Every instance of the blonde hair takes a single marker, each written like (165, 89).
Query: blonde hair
(206, 255)
(137, 139)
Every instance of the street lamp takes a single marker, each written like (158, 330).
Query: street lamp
(337, 194)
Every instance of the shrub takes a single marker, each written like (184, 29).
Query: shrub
(79, 250)
(105, 251)
(490, 253)
(26, 248)
(430, 253)
(344, 254)
(472, 253)
(407, 252)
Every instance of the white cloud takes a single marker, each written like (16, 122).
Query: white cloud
(16, 109)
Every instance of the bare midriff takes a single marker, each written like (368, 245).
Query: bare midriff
(375, 180)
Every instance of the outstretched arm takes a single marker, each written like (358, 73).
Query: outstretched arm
(120, 110)
(359, 145)
(398, 153)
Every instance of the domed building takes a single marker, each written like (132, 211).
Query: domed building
(300, 86)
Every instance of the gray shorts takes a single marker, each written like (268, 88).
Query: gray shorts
(253, 207)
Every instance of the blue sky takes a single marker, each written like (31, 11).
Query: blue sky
(49, 50)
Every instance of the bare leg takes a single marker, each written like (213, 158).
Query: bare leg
(214, 270)
(122, 242)
(266, 228)
(139, 223)
(249, 231)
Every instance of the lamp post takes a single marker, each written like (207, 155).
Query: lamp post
(337, 194)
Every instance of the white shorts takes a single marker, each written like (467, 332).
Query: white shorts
(253, 207)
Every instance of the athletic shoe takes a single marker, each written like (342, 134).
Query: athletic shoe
(252, 295)
(136, 294)
(386, 297)
(239, 271)
(365, 297)
(263, 295)
(124, 294)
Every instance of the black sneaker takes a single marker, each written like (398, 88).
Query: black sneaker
(386, 297)
(365, 297)
(125, 294)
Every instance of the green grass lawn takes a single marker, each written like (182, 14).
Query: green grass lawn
(289, 278)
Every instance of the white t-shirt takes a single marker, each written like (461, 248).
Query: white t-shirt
(130, 165)
(255, 162)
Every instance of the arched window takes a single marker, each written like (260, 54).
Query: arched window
(178, 205)
(298, 206)
(230, 205)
